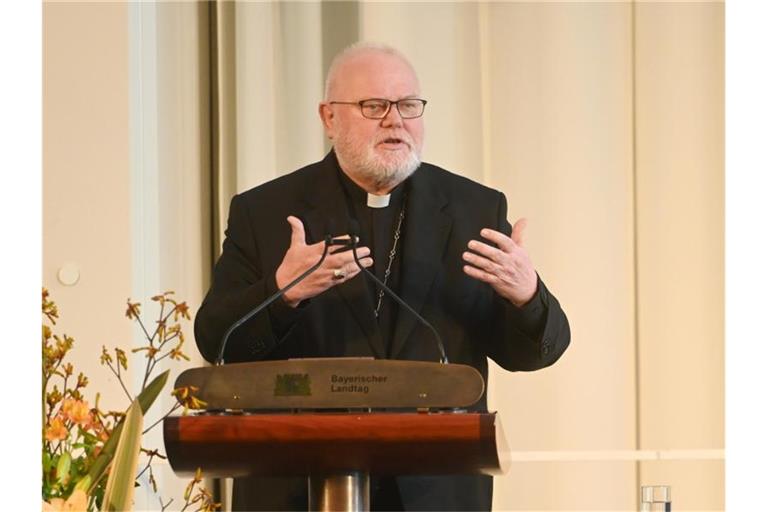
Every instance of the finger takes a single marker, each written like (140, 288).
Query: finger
(352, 269)
(479, 274)
(517, 230)
(480, 262)
(347, 263)
(348, 271)
(492, 253)
(342, 240)
(345, 243)
(361, 252)
(298, 237)
(500, 239)
(335, 260)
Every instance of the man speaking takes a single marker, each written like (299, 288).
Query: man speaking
(441, 241)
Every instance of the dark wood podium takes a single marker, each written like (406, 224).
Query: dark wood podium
(337, 450)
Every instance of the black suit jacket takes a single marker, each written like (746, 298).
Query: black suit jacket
(443, 212)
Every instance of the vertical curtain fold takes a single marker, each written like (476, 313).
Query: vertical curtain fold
(268, 63)
(223, 103)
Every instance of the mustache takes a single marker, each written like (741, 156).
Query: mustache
(403, 136)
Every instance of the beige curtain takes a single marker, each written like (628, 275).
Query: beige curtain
(603, 124)
(268, 70)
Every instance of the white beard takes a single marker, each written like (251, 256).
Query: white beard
(362, 161)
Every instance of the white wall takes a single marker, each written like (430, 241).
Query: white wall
(87, 180)
(125, 193)
(680, 242)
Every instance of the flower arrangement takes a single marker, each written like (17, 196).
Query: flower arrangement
(84, 447)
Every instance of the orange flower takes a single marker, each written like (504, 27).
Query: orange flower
(97, 427)
(185, 396)
(55, 430)
(82, 380)
(49, 308)
(122, 359)
(76, 411)
(105, 357)
(133, 310)
(181, 310)
(53, 397)
(151, 351)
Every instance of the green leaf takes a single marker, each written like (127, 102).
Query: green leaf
(146, 398)
(84, 484)
(46, 462)
(62, 468)
(119, 492)
(89, 438)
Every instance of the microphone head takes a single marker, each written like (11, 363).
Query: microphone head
(340, 230)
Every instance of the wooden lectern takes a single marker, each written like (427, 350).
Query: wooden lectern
(327, 419)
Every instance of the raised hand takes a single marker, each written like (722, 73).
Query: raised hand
(336, 269)
(506, 267)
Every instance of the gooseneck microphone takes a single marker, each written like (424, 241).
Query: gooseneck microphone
(279, 293)
(353, 235)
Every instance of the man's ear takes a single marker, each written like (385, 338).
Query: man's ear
(326, 116)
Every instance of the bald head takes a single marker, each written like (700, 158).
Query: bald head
(346, 60)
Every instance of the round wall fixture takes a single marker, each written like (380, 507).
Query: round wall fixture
(69, 274)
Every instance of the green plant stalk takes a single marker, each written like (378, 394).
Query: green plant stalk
(45, 419)
(145, 399)
(119, 492)
(62, 468)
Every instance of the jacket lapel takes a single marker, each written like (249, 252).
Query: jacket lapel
(427, 228)
(327, 211)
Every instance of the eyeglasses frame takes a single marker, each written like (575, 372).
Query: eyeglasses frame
(389, 106)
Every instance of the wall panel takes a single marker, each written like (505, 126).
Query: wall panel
(125, 197)
(680, 233)
(561, 146)
(86, 181)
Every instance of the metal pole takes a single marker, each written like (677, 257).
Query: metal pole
(340, 492)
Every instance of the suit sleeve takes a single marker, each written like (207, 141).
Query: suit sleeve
(530, 337)
(238, 285)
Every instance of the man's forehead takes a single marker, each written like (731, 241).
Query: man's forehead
(372, 71)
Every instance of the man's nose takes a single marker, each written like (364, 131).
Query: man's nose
(393, 117)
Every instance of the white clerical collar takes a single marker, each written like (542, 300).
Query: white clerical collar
(375, 201)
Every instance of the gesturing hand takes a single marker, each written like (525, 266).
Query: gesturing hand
(337, 268)
(508, 269)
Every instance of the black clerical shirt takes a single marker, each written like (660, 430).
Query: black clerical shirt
(377, 231)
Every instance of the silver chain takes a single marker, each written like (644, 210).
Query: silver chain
(392, 254)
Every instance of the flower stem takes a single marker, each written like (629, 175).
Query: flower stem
(176, 406)
(120, 380)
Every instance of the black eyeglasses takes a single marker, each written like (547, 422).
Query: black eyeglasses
(376, 108)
